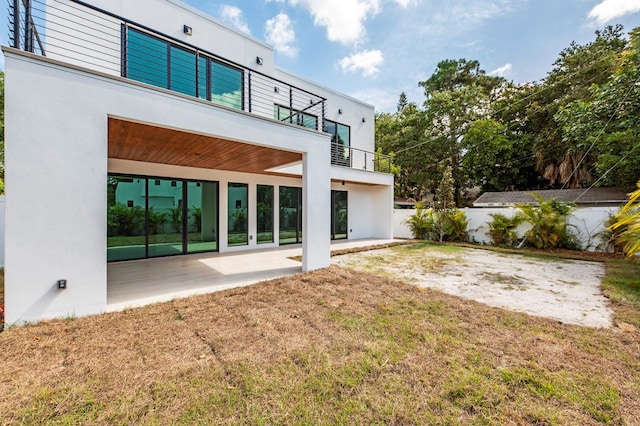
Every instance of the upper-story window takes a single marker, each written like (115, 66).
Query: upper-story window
(283, 113)
(340, 133)
(160, 63)
(341, 141)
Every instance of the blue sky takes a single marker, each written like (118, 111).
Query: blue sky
(375, 49)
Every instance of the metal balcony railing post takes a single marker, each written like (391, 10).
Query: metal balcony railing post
(290, 104)
(16, 24)
(28, 27)
(249, 89)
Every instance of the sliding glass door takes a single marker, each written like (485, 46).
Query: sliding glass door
(264, 214)
(153, 217)
(164, 217)
(202, 216)
(339, 215)
(290, 215)
(126, 223)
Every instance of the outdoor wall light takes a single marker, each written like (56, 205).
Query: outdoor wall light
(276, 90)
(259, 60)
(62, 284)
(187, 30)
(364, 120)
(340, 111)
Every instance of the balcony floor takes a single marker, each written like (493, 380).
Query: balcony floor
(141, 282)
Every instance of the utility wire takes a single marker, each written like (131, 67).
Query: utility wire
(607, 172)
(601, 132)
(562, 80)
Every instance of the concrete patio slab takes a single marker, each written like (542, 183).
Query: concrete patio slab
(142, 282)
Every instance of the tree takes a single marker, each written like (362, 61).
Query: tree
(607, 124)
(402, 101)
(444, 203)
(490, 157)
(403, 134)
(458, 93)
(562, 159)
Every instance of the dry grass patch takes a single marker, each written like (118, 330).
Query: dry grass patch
(329, 347)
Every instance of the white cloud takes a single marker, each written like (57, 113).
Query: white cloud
(233, 16)
(280, 33)
(367, 61)
(502, 71)
(406, 3)
(608, 10)
(343, 19)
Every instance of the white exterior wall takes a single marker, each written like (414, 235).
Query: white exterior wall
(587, 223)
(370, 209)
(56, 193)
(57, 165)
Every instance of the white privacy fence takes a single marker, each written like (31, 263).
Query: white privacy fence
(588, 222)
(1, 230)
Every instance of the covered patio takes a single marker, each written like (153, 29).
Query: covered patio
(141, 282)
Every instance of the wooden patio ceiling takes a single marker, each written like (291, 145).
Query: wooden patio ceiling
(143, 142)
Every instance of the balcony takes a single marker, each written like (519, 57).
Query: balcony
(359, 159)
(85, 36)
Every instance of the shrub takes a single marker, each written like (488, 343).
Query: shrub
(549, 224)
(610, 238)
(125, 221)
(502, 229)
(445, 225)
(455, 225)
(157, 221)
(422, 223)
(628, 222)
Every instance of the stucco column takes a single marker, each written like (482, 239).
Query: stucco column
(316, 208)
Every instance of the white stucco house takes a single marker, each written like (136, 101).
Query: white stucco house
(142, 129)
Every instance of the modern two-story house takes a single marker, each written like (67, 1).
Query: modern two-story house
(143, 129)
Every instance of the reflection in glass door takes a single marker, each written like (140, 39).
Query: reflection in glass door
(264, 214)
(290, 215)
(237, 219)
(126, 206)
(152, 217)
(339, 215)
(164, 217)
(202, 216)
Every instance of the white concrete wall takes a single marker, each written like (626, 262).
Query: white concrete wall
(56, 169)
(370, 210)
(587, 223)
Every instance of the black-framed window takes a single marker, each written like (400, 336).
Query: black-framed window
(163, 64)
(304, 119)
(340, 142)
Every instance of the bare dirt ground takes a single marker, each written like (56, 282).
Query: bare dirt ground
(564, 290)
